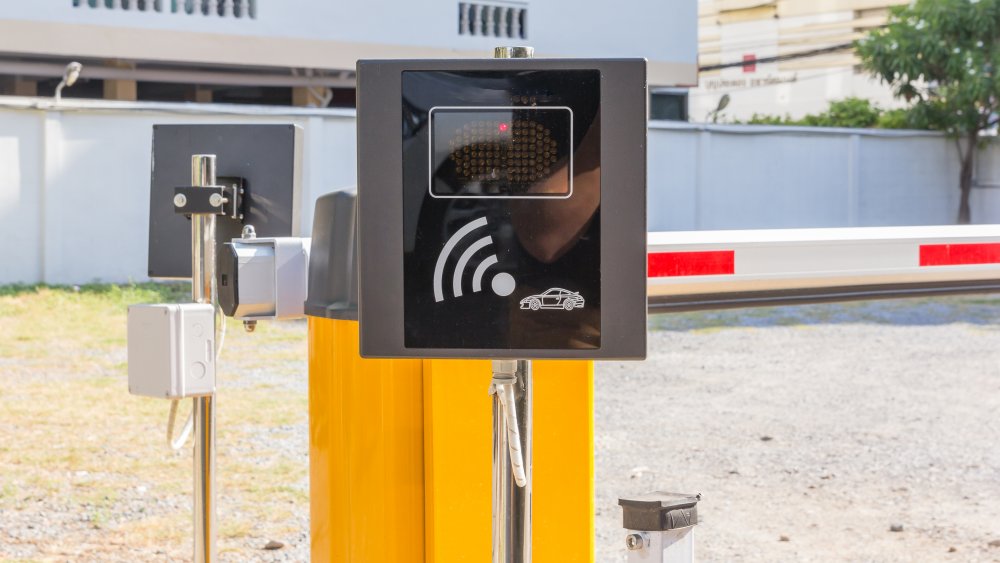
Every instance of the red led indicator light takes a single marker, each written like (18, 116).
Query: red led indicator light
(503, 127)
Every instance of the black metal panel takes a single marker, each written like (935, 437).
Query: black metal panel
(267, 157)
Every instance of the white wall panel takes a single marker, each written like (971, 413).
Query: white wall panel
(20, 196)
(673, 167)
(908, 181)
(786, 181)
(74, 184)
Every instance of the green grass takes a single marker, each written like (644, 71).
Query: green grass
(35, 319)
(71, 434)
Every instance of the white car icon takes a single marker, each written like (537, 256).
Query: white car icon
(555, 298)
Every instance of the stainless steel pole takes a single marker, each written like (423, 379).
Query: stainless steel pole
(202, 274)
(512, 503)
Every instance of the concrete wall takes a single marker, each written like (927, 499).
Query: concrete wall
(705, 177)
(74, 183)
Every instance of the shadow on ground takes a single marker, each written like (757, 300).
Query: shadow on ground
(976, 310)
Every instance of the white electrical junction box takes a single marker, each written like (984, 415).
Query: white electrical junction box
(171, 350)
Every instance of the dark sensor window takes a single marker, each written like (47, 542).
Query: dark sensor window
(501, 152)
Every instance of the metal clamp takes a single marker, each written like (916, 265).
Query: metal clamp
(225, 199)
(504, 379)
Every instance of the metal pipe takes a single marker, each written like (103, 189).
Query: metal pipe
(202, 274)
(202, 233)
(511, 503)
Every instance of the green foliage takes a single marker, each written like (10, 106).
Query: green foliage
(942, 56)
(849, 112)
(108, 293)
(852, 112)
(767, 119)
(898, 119)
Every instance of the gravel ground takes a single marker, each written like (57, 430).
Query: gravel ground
(822, 425)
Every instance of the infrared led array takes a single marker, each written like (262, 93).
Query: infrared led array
(518, 153)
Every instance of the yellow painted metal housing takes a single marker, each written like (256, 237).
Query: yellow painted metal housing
(400, 456)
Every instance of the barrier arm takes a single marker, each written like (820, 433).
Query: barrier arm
(703, 270)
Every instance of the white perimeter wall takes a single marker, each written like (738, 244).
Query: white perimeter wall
(706, 177)
(74, 183)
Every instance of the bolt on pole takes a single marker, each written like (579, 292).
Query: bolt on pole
(202, 276)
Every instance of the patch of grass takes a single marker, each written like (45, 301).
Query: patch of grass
(235, 528)
(157, 530)
(126, 294)
(72, 438)
(91, 315)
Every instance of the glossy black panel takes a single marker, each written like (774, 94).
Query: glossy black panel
(501, 209)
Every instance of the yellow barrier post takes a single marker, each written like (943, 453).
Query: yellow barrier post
(400, 456)
(365, 451)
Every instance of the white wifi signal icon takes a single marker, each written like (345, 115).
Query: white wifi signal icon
(502, 283)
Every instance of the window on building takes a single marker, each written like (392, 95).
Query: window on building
(669, 105)
(489, 20)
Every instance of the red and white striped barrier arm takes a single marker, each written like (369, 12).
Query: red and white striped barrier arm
(720, 269)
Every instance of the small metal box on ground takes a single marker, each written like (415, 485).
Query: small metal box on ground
(171, 350)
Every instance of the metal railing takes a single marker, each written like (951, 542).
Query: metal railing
(220, 8)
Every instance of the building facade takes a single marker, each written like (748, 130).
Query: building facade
(303, 52)
(783, 57)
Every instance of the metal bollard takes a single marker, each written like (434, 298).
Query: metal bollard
(660, 527)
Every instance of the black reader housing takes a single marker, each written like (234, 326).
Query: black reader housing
(502, 208)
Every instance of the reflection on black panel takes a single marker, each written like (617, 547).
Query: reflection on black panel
(501, 209)
(501, 152)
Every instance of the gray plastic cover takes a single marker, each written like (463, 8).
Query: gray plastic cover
(333, 261)
(659, 511)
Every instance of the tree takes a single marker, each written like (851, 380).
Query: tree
(942, 56)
